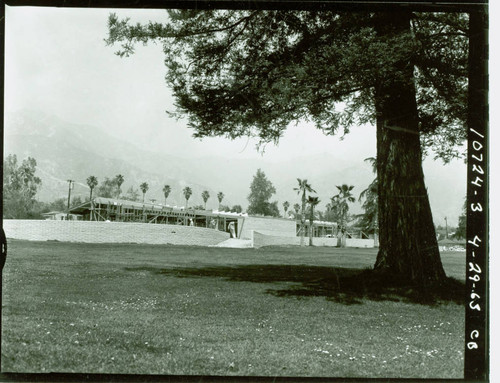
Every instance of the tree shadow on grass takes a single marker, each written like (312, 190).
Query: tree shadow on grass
(342, 285)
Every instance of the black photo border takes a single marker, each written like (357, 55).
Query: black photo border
(477, 341)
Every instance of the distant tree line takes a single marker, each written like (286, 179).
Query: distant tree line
(21, 184)
(19, 188)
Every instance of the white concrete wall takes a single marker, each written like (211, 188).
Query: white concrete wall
(262, 239)
(269, 226)
(277, 232)
(323, 241)
(111, 232)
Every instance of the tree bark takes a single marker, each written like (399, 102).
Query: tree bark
(407, 239)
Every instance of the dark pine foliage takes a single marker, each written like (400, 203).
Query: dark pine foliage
(236, 73)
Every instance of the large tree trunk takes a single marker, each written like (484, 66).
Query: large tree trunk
(408, 244)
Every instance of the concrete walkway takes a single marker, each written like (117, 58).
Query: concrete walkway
(235, 243)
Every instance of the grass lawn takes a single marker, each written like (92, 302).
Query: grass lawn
(146, 309)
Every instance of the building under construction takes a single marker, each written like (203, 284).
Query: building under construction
(118, 210)
(239, 225)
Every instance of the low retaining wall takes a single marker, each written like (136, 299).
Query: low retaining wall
(349, 242)
(452, 248)
(261, 239)
(111, 232)
(323, 241)
(278, 227)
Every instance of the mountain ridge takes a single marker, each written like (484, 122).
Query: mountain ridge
(67, 150)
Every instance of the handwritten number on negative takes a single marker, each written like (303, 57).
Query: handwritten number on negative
(474, 267)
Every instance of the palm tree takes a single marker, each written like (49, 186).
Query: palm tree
(119, 181)
(205, 195)
(166, 192)
(312, 201)
(286, 205)
(187, 194)
(144, 188)
(92, 182)
(341, 203)
(333, 209)
(220, 197)
(302, 189)
(328, 212)
(296, 207)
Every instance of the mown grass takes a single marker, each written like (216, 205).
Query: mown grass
(139, 309)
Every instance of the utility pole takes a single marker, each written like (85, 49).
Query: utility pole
(71, 183)
(446, 225)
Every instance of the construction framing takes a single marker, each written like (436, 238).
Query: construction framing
(117, 210)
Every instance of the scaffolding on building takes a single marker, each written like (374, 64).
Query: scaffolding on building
(118, 210)
(320, 228)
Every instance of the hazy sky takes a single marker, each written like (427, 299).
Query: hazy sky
(57, 62)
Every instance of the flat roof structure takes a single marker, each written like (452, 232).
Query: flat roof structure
(120, 210)
(320, 228)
